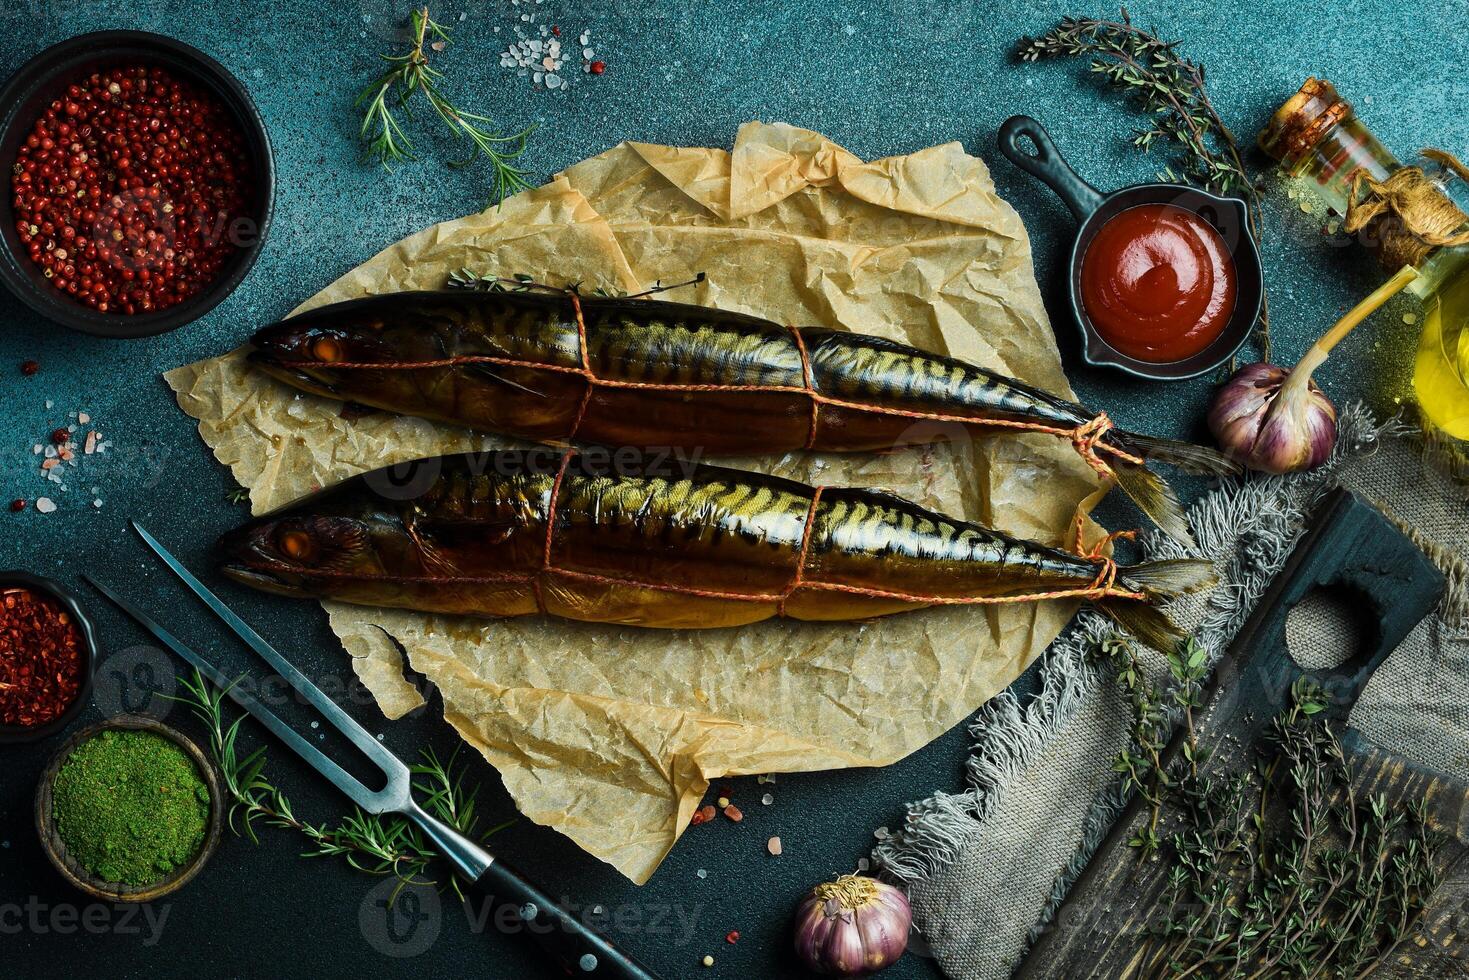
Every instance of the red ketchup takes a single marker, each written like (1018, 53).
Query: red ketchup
(1158, 283)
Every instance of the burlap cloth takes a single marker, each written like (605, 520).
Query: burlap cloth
(986, 867)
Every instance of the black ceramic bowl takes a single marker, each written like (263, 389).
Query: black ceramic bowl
(13, 734)
(1227, 215)
(37, 83)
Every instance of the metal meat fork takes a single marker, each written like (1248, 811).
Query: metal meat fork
(576, 947)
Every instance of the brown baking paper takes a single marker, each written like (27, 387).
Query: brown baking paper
(612, 734)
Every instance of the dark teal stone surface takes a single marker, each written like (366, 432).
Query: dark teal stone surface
(878, 78)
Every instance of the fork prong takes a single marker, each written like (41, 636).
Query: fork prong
(392, 766)
(344, 781)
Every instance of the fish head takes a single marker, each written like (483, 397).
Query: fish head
(313, 351)
(301, 554)
(328, 342)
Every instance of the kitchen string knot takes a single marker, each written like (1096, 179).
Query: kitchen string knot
(1409, 213)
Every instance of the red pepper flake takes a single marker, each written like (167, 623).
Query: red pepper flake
(733, 812)
(40, 658)
(61, 436)
(702, 815)
(30, 368)
(598, 67)
(17, 505)
(733, 937)
(555, 30)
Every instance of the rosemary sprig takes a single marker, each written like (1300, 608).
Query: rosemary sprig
(1171, 91)
(372, 843)
(1282, 871)
(386, 141)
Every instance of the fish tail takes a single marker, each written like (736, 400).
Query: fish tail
(1148, 625)
(1155, 498)
(1186, 456)
(1168, 578)
(1158, 581)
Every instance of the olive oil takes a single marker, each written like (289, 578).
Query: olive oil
(1441, 369)
(1325, 148)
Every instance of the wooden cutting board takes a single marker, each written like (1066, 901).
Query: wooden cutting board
(1099, 930)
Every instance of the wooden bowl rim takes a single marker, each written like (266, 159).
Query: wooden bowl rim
(73, 872)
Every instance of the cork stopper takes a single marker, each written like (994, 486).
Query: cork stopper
(1303, 121)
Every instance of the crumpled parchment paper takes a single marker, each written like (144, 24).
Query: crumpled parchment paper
(612, 735)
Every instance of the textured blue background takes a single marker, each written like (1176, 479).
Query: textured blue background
(879, 78)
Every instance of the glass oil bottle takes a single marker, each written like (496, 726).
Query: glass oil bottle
(1323, 147)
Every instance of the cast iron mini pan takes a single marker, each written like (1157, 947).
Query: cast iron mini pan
(1227, 215)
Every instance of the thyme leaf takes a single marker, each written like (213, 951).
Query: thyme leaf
(1284, 870)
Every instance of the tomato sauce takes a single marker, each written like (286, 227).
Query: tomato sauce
(1158, 283)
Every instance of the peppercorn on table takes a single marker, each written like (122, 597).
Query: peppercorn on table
(879, 78)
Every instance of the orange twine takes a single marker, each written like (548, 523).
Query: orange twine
(1101, 587)
(1086, 438)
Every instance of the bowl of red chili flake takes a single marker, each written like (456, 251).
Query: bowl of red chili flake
(47, 649)
(140, 183)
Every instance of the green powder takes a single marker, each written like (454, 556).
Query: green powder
(130, 806)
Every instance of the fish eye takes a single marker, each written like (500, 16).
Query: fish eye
(326, 349)
(297, 545)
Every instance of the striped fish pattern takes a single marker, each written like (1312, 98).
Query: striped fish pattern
(632, 372)
(508, 533)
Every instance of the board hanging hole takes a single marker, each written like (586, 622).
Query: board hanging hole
(1327, 628)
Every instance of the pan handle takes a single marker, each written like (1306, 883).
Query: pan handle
(1048, 165)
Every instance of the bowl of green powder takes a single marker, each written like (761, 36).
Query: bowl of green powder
(129, 810)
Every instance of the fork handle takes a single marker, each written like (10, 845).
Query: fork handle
(515, 905)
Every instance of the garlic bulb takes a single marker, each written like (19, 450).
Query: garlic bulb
(852, 927)
(1277, 420)
(1262, 419)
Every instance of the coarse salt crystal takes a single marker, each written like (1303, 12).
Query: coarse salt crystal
(83, 418)
(45, 505)
(97, 503)
(767, 799)
(863, 864)
(882, 833)
(700, 873)
(773, 846)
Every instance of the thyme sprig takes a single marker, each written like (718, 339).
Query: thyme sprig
(1283, 870)
(383, 136)
(1154, 711)
(374, 843)
(1171, 90)
(489, 282)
